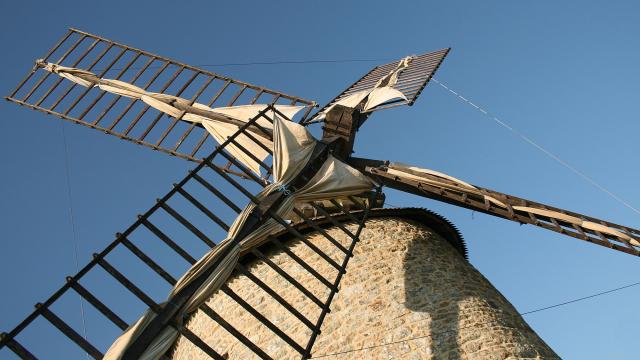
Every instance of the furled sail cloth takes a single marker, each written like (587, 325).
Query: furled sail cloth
(220, 130)
(293, 146)
(381, 92)
(445, 181)
(178, 108)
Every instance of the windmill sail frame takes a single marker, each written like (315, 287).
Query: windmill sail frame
(410, 82)
(131, 119)
(438, 186)
(184, 190)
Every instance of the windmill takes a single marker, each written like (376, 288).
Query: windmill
(247, 148)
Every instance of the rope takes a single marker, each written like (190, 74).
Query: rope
(73, 226)
(475, 325)
(539, 147)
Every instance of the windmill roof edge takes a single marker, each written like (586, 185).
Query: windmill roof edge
(428, 218)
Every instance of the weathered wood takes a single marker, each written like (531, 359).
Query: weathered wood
(340, 127)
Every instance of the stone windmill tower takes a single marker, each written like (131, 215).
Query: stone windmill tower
(313, 266)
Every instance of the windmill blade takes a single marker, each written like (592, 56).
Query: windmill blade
(389, 85)
(200, 209)
(99, 83)
(442, 187)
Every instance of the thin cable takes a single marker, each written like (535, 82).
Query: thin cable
(539, 147)
(73, 226)
(334, 61)
(401, 341)
(580, 299)
(475, 325)
(279, 62)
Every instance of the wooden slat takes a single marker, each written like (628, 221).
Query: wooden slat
(262, 319)
(71, 334)
(187, 224)
(18, 349)
(242, 270)
(234, 332)
(96, 303)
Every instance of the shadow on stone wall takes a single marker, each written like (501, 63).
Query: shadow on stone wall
(434, 285)
(468, 317)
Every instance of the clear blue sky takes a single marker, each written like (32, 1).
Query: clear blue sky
(564, 73)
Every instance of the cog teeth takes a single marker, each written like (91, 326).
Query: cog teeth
(454, 237)
(459, 241)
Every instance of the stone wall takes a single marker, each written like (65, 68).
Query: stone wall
(407, 294)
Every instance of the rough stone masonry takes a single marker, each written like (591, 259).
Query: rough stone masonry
(407, 294)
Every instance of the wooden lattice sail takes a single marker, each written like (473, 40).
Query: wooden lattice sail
(46, 88)
(206, 182)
